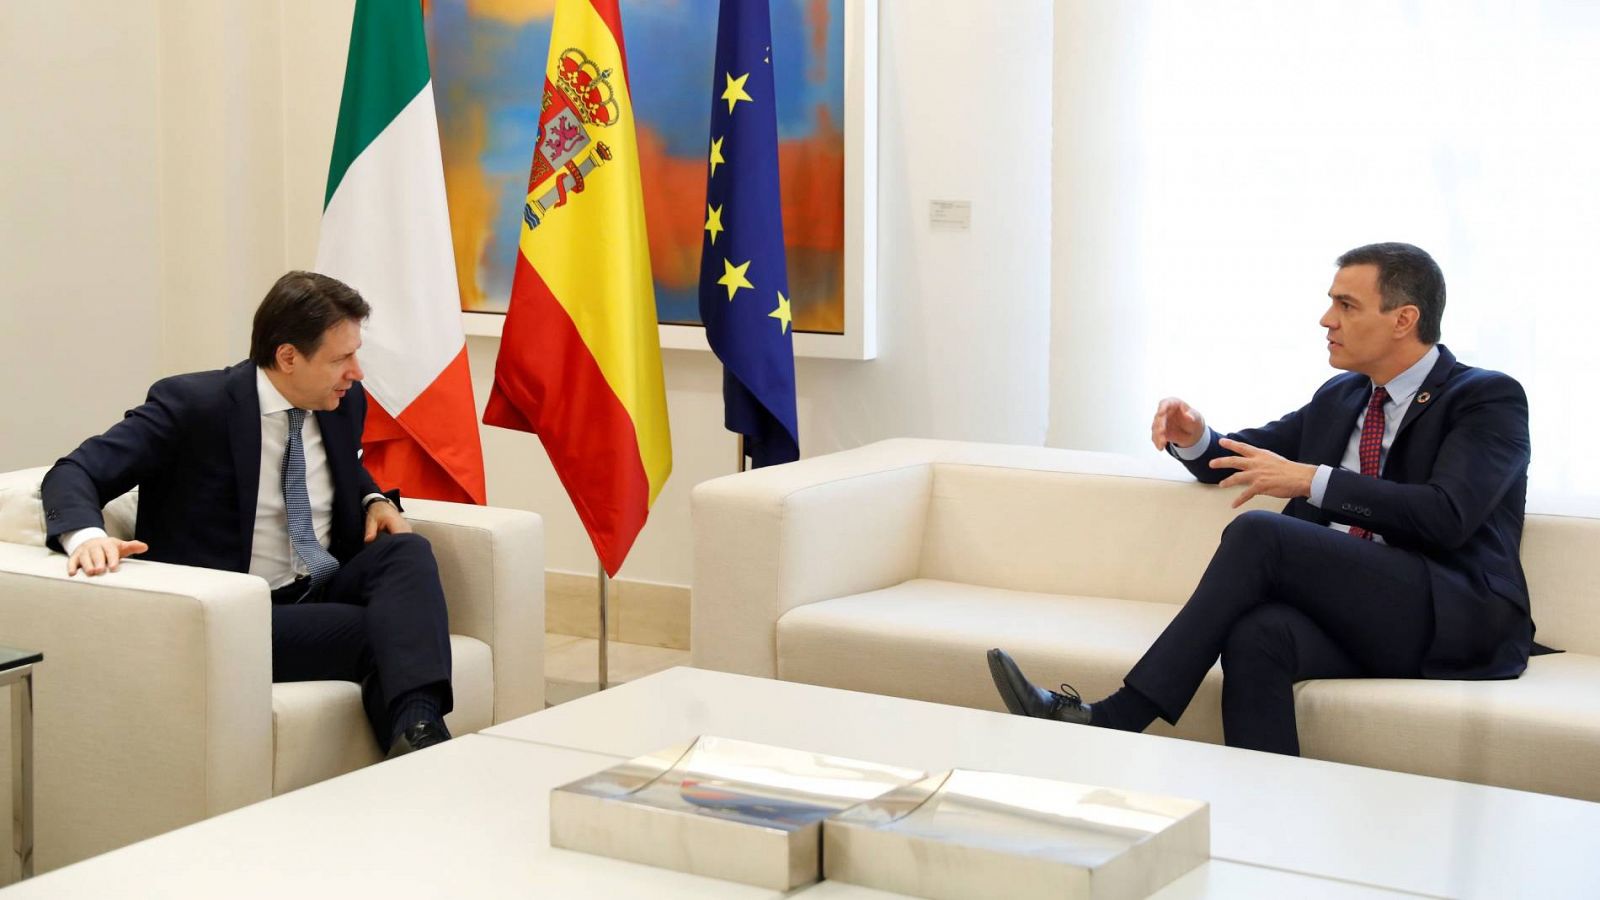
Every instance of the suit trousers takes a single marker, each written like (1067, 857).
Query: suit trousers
(1285, 600)
(380, 621)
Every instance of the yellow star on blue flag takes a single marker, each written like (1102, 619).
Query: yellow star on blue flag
(735, 91)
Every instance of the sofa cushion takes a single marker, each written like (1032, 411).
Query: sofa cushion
(121, 515)
(21, 514)
(1059, 531)
(1535, 733)
(1062, 532)
(22, 509)
(927, 639)
(1563, 590)
(320, 730)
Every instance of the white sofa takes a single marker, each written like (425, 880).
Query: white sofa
(155, 707)
(893, 567)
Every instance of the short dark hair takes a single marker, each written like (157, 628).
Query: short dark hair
(299, 310)
(1407, 276)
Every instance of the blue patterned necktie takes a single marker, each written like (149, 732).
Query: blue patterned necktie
(297, 504)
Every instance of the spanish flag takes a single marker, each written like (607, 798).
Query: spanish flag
(580, 357)
(386, 233)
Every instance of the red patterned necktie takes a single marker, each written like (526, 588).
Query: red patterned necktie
(1372, 445)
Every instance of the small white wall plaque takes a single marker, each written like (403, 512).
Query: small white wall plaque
(950, 215)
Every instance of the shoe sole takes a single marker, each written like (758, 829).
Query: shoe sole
(1002, 683)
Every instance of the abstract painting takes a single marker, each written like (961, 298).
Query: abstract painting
(488, 59)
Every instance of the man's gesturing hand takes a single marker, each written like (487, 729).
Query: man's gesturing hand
(1176, 422)
(382, 516)
(1263, 472)
(98, 556)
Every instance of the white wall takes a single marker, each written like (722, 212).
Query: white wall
(963, 317)
(143, 204)
(1091, 221)
(222, 154)
(80, 231)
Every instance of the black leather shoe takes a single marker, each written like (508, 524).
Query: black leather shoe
(1023, 699)
(418, 736)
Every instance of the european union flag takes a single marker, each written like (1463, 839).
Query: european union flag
(744, 280)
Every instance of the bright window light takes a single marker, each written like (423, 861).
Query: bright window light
(1253, 142)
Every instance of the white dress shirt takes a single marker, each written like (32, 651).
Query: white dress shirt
(1402, 388)
(271, 556)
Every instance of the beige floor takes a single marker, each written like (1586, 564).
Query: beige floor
(571, 663)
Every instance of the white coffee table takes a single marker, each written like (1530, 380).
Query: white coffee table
(1357, 826)
(469, 818)
(466, 819)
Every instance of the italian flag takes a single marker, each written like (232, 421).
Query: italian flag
(386, 233)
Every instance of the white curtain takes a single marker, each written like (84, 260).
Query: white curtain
(1212, 159)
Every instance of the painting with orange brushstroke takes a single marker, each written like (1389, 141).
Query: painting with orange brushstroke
(488, 60)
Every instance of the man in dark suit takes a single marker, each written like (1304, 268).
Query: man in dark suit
(256, 468)
(1397, 555)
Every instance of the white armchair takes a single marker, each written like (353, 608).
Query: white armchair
(155, 707)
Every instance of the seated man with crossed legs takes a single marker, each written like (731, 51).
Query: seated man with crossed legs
(1397, 554)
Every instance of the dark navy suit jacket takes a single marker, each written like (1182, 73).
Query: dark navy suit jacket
(1452, 489)
(194, 450)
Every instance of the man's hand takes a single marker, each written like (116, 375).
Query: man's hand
(382, 516)
(98, 556)
(1263, 472)
(1176, 422)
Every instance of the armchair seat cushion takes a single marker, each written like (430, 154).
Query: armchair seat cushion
(319, 729)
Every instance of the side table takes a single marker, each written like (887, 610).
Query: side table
(16, 669)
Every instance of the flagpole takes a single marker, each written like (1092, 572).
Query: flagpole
(605, 591)
(742, 460)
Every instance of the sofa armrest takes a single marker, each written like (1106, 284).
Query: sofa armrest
(153, 705)
(491, 561)
(769, 540)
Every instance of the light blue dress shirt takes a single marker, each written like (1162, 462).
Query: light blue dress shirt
(1402, 388)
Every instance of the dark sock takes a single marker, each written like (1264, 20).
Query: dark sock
(420, 705)
(1125, 710)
